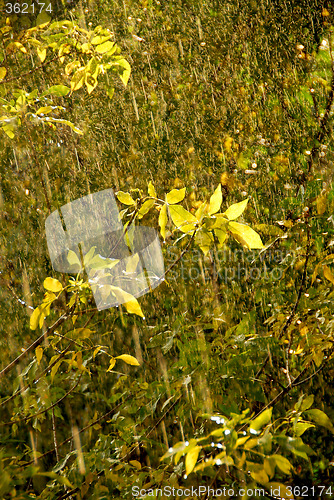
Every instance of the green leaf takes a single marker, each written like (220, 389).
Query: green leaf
(89, 255)
(260, 476)
(306, 403)
(215, 201)
(234, 211)
(73, 260)
(125, 198)
(245, 235)
(163, 221)
(183, 220)
(175, 196)
(99, 262)
(52, 285)
(43, 19)
(301, 427)
(320, 418)
(128, 359)
(57, 90)
(191, 459)
(262, 420)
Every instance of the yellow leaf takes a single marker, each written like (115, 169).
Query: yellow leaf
(328, 274)
(126, 71)
(191, 459)
(41, 53)
(91, 82)
(128, 359)
(125, 198)
(20, 47)
(136, 464)
(163, 221)
(52, 285)
(3, 73)
(34, 318)
(39, 354)
(245, 235)
(146, 207)
(321, 204)
(260, 476)
(282, 463)
(234, 211)
(132, 263)
(104, 47)
(71, 66)
(183, 220)
(269, 467)
(111, 364)
(262, 420)
(215, 201)
(201, 210)
(133, 307)
(175, 196)
(204, 240)
(151, 190)
(221, 235)
(228, 143)
(78, 79)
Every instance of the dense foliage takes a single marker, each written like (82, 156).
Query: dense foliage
(196, 114)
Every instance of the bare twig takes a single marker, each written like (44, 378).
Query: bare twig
(35, 344)
(23, 75)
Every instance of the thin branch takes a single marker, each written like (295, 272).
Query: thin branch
(98, 420)
(35, 344)
(46, 409)
(182, 253)
(36, 68)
